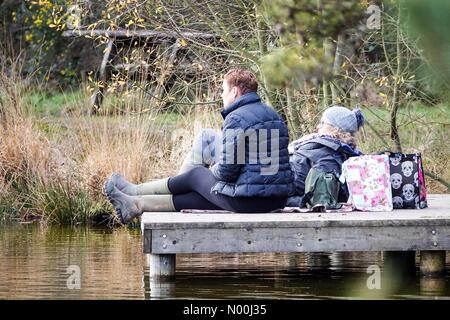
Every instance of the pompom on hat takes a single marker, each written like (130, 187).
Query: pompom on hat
(343, 118)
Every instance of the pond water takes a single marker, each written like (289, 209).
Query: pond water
(41, 262)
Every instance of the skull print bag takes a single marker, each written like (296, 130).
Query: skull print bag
(407, 181)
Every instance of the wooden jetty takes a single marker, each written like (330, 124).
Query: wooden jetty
(427, 231)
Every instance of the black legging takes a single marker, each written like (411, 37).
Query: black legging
(192, 190)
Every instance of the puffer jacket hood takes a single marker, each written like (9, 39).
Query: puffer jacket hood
(315, 141)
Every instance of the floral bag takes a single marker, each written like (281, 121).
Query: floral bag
(408, 181)
(368, 182)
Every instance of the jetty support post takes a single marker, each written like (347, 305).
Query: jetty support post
(432, 262)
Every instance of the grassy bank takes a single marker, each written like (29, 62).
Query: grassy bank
(423, 129)
(54, 158)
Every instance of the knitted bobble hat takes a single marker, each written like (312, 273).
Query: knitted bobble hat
(343, 118)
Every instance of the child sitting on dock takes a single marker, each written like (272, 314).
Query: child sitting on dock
(332, 144)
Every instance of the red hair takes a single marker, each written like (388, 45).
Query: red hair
(243, 79)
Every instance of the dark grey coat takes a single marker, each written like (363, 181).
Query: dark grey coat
(321, 152)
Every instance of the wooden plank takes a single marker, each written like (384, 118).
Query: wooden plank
(305, 239)
(438, 214)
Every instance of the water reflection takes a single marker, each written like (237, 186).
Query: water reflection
(34, 262)
(432, 286)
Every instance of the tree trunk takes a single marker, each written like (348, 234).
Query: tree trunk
(166, 70)
(103, 75)
(328, 49)
(336, 69)
(394, 103)
(326, 100)
(292, 120)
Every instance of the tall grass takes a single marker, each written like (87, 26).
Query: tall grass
(423, 129)
(53, 168)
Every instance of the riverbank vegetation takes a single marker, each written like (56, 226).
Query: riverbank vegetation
(57, 148)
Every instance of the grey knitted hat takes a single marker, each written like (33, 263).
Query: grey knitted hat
(343, 118)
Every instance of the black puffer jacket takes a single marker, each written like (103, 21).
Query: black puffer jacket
(251, 176)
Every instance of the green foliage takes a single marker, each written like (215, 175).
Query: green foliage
(35, 28)
(57, 204)
(54, 103)
(304, 26)
(314, 20)
(429, 22)
(287, 67)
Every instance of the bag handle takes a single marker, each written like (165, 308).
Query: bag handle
(388, 152)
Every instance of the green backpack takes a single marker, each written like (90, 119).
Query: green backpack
(321, 190)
